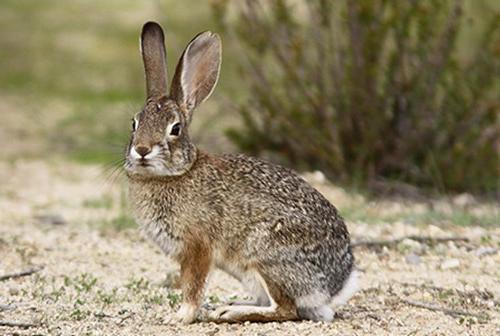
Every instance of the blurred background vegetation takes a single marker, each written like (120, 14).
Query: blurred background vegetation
(365, 91)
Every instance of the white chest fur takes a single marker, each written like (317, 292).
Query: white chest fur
(156, 231)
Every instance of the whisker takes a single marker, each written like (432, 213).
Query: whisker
(111, 171)
(107, 167)
(113, 177)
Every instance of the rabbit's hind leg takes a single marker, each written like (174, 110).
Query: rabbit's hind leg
(280, 308)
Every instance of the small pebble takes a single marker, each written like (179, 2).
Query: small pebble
(450, 263)
(412, 259)
(485, 250)
(13, 291)
(53, 219)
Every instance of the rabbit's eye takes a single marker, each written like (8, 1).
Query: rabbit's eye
(176, 129)
(134, 125)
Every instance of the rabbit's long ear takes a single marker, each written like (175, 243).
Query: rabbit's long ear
(154, 58)
(197, 72)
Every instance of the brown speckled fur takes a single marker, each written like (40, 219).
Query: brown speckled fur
(258, 221)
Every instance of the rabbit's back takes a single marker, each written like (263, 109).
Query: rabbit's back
(286, 225)
(275, 202)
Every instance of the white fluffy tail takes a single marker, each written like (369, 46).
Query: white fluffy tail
(313, 307)
(351, 286)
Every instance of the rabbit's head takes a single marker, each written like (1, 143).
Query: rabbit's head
(159, 144)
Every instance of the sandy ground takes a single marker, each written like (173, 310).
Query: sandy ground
(59, 218)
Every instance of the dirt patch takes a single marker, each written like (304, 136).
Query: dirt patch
(95, 280)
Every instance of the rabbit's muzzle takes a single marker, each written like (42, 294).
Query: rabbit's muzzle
(147, 160)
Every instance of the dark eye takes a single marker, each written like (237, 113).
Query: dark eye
(134, 125)
(176, 129)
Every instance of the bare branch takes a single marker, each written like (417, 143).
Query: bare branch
(18, 324)
(448, 311)
(420, 239)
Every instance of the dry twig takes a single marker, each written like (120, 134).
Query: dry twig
(483, 294)
(126, 317)
(448, 311)
(20, 274)
(18, 324)
(420, 239)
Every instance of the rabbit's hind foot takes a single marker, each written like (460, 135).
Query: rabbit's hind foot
(253, 314)
(270, 305)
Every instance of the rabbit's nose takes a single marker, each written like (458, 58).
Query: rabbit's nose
(142, 150)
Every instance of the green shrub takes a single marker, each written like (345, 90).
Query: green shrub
(369, 89)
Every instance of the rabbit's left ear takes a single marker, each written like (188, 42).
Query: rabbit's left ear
(154, 58)
(197, 72)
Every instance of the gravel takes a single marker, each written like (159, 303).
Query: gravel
(96, 280)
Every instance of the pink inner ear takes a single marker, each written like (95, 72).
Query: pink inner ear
(200, 69)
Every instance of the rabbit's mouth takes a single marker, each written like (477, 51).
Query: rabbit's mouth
(145, 167)
(143, 163)
(153, 168)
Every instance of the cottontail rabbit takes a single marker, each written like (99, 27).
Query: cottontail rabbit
(259, 222)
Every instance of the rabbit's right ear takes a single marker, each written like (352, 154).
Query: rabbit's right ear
(154, 58)
(197, 72)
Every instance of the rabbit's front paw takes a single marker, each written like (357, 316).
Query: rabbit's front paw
(186, 313)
